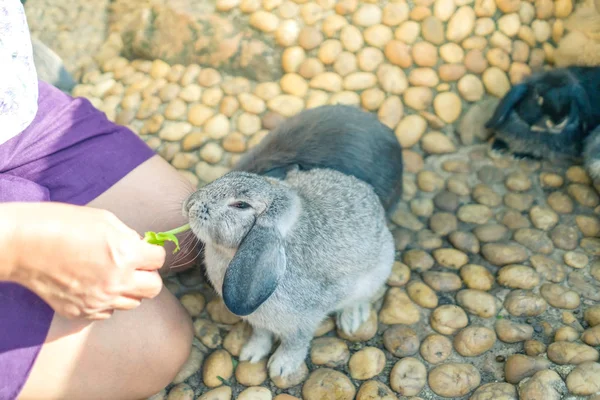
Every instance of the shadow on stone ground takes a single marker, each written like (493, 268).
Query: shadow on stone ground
(496, 290)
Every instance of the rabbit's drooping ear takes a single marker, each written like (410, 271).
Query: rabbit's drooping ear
(255, 270)
(506, 105)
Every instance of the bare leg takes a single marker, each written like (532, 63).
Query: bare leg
(136, 353)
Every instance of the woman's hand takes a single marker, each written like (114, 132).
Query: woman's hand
(83, 262)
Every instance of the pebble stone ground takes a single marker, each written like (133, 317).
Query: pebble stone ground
(495, 293)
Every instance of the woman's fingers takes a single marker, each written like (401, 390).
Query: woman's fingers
(149, 257)
(144, 285)
(126, 303)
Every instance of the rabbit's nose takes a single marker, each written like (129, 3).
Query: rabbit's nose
(204, 211)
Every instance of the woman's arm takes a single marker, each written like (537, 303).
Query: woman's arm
(83, 261)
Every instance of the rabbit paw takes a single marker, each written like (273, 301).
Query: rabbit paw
(284, 363)
(258, 346)
(350, 319)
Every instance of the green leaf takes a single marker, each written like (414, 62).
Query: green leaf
(159, 238)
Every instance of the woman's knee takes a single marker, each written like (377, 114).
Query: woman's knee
(132, 355)
(172, 335)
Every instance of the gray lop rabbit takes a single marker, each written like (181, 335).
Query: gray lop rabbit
(286, 251)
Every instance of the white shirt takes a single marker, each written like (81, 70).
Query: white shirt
(18, 77)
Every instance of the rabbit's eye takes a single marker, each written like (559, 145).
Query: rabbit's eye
(240, 204)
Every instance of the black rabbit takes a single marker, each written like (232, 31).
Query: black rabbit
(550, 115)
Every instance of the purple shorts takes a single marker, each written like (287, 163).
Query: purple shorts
(70, 153)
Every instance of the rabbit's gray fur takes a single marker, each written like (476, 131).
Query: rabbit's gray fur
(309, 245)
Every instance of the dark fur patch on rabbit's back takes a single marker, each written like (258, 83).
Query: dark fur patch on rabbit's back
(344, 138)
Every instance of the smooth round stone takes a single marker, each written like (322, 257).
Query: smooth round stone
(418, 98)
(584, 379)
(217, 365)
(429, 181)
(436, 348)
(509, 24)
(512, 332)
(566, 333)
(286, 105)
(559, 296)
(461, 24)
(375, 390)
(496, 391)
(193, 302)
(329, 351)
(422, 294)
(423, 77)
(442, 281)
(424, 54)
(486, 196)
(548, 268)
(398, 53)
(452, 53)
(474, 340)
(378, 35)
(518, 277)
(451, 72)
(535, 240)
(398, 308)
(545, 384)
(477, 302)
(446, 201)
(521, 303)
(391, 111)
(519, 367)
(408, 32)
(221, 393)
(443, 223)
(181, 391)
(292, 380)
(496, 82)
(437, 143)
(401, 341)
(366, 363)
(207, 332)
(498, 58)
(576, 259)
(583, 194)
(432, 30)
(475, 61)
(236, 338)
(447, 106)
(477, 277)
(395, 13)
(564, 237)
(503, 254)
(563, 353)
(534, 348)
(369, 58)
(367, 15)
(408, 376)
(324, 381)
(372, 99)
(474, 214)
(251, 374)
(470, 88)
(392, 79)
(310, 38)
(448, 319)
(255, 393)
(543, 218)
(453, 379)
(410, 129)
(400, 274)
